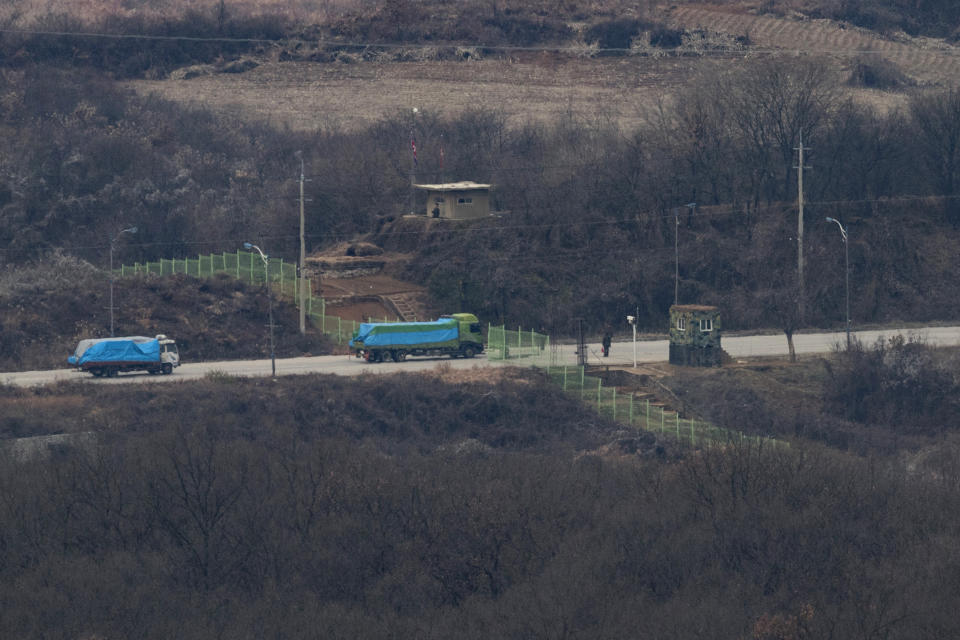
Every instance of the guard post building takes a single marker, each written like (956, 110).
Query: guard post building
(695, 335)
(457, 200)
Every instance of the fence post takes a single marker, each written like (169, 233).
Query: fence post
(661, 420)
(339, 331)
(281, 276)
(614, 403)
(564, 377)
(631, 408)
(693, 439)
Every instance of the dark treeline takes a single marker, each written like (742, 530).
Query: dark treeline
(937, 18)
(590, 223)
(317, 508)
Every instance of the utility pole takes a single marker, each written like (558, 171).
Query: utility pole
(303, 257)
(581, 345)
(676, 255)
(801, 294)
(413, 164)
(676, 250)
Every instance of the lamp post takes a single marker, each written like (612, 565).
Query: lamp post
(266, 271)
(113, 239)
(846, 268)
(632, 321)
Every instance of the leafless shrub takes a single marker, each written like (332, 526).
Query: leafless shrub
(54, 272)
(876, 72)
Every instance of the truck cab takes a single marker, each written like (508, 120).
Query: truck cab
(470, 330)
(168, 352)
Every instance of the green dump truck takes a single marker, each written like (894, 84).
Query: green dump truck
(456, 335)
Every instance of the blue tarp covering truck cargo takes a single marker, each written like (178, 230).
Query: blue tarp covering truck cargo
(134, 349)
(456, 335)
(109, 356)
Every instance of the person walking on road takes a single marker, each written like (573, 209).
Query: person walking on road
(607, 339)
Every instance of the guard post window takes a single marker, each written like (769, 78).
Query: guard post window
(706, 325)
(681, 323)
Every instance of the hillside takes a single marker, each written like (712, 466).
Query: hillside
(46, 311)
(435, 505)
(481, 504)
(589, 149)
(542, 86)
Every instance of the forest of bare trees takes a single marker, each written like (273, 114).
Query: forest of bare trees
(586, 200)
(295, 510)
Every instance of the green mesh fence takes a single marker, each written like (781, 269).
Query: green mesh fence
(503, 343)
(250, 268)
(640, 413)
(245, 266)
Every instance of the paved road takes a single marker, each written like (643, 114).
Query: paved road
(620, 353)
(776, 345)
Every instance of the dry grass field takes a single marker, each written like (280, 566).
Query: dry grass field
(535, 88)
(531, 86)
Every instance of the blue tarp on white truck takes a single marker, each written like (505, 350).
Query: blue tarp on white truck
(380, 334)
(136, 349)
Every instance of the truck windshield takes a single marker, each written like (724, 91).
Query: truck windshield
(169, 348)
(475, 327)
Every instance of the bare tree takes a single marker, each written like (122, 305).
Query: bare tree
(936, 118)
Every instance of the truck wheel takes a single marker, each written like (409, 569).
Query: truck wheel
(167, 368)
(399, 355)
(112, 372)
(376, 356)
(387, 356)
(469, 352)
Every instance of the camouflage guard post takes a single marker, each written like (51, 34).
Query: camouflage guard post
(695, 335)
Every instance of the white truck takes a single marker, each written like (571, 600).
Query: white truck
(109, 356)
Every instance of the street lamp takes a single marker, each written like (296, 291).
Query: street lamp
(846, 263)
(266, 271)
(113, 239)
(632, 321)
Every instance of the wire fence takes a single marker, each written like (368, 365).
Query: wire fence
(503, 343)
(641, 412)
(530, 347)
(252, 269)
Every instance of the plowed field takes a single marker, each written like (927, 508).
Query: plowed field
(539, 86)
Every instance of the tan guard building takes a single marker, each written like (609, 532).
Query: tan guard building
(457, 200)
